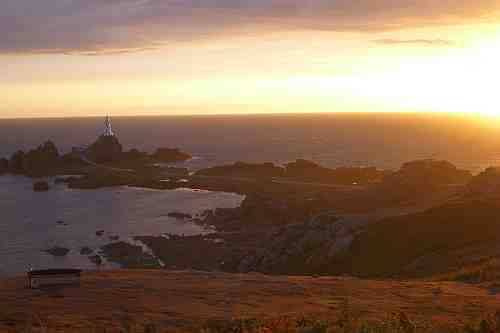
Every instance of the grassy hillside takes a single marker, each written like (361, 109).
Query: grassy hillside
(143, 300)
(435, 241)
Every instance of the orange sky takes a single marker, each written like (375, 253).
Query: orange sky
(134, 57)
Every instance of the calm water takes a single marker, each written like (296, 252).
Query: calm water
(382, 140)
(28, 219)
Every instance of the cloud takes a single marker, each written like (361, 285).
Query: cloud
(101, 26)
(429, 42)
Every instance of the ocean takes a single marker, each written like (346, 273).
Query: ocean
(28, 220)
(382, 140)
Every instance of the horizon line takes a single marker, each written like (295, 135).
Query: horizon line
(240, 114)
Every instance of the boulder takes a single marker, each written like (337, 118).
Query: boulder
(57, 251)
(41, 186)
(179, 216)
(96, 259)
(85, 251)
(59, 180)
(4, 165)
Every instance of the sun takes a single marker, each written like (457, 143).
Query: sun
(464, 81)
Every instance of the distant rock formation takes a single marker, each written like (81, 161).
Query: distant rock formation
(420, 177)
(16, 162)
(41, 186)
(301, 170)
(105, 149)
(244, 170)
(38, 162)
(168, 155)
(485, 185)
(305, 170)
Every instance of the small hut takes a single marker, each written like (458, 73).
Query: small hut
(53, 277)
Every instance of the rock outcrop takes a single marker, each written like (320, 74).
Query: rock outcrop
(244, 170)
(16, 162)
(421, 177)
(305, 248)
(57, 251)
(85, 251)
(179, 215)
(305, 170)
(485, 185)
(96, 259)
(41, 186)
(169, 155)
(128, 255)
(39, 162)
(105, 149)
(4, 165)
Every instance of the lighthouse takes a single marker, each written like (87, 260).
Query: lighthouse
(108, 131)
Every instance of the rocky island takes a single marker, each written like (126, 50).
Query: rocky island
(104, 158)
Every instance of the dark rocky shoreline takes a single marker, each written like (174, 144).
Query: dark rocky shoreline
(298, 219)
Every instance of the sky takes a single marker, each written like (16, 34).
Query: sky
(150, 57)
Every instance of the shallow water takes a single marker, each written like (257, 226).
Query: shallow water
(28, 220)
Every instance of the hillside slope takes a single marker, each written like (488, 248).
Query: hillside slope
(443, 238)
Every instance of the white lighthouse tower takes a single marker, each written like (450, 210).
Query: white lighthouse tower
(108, 131)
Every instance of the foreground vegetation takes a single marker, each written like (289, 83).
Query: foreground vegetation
(345, 323)
(395, 323)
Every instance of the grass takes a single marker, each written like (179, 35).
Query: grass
(486, 271)
(345, 323)
(395, 323)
